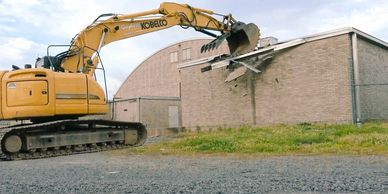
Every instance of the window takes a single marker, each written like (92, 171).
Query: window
(186, 54)
(174, 57)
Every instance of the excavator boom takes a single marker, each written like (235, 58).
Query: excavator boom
(82, 55)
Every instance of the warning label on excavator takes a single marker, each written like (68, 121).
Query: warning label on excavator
(130, 26)
(153, 24)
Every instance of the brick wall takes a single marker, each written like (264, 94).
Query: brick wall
(208, 101)
(306, 83)
(157, 76)
(373, 67)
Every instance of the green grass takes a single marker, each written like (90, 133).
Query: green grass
(305, 138)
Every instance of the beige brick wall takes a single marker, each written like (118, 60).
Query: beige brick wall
(208, 101)
(312, 86)
(373, 67)
(157, 76)
(306, 83)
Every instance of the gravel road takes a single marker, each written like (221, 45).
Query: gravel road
(105, 172)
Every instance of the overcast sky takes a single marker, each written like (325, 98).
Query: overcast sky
(27, 27)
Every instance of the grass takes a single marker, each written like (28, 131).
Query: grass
(305, 138)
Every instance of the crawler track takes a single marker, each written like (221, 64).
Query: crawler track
(63, 152)
(110, 135)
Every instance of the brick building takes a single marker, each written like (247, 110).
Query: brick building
(152, 92)
(336, 77)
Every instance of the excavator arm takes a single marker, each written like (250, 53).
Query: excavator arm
(83, 53)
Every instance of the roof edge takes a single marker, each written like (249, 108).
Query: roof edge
(340, 31)
(154, 53)
(370, 37)
(297, 41)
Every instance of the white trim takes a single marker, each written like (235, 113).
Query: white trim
(370, 37)
(225, 62)
(196, 62)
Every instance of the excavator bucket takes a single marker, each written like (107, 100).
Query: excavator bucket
(242, 39)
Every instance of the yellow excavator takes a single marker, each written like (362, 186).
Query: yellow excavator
(62, 88)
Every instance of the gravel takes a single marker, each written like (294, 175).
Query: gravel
(106, 172)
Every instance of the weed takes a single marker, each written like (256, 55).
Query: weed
(371, 138)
